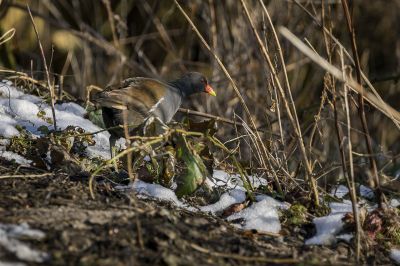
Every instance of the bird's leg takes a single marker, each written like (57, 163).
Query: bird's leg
(112, 140)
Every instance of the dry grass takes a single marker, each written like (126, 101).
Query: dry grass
(298, 120)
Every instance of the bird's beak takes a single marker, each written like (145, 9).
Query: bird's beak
(210, 90)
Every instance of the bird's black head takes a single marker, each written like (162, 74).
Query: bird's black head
(194, 82)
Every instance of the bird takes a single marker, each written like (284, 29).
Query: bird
(142, 98)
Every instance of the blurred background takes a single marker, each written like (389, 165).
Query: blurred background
(95, 42)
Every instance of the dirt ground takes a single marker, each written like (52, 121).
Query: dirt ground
(119, 229)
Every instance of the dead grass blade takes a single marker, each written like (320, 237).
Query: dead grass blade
(50, 87)
(379, 104)
(7, 36)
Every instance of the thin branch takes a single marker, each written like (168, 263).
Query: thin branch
(51, 88)
(221, 119)
(26, 176)
(292, 117)
(350, 172)
(361, 109)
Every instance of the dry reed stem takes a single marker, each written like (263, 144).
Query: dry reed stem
(379, 104)
(221, 119)
(112, 22)
(163, 33)
(96, 40)
(292, 117)
(128, 144)
(26, 176)
(7, 36)
(388, 110)
(350, 172)
(264, 155)
(51, 88)
(361, 109)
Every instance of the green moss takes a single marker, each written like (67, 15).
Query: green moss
(296, 215)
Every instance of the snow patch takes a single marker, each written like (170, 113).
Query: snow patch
(366, 192)
(394, 203)
(262, 216)
(156, 191)
(395, 255)
(17, 108)
(232, 181)
(226, 200)
(339, 191)
(9, 240)
(329, 226)
(12, 156)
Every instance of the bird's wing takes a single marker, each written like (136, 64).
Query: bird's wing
(135, 94)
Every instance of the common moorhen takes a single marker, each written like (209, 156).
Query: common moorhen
(143, 98)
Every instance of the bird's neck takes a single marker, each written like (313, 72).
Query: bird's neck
(182, 87)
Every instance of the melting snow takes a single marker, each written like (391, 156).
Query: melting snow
(17, 108)
(329, 226)
(9, 240)
(395, 255)
(12, 156)
(339, 191)
(366, 192)
(262, 215)
(231, 181)
(156, 191)
(226, 200)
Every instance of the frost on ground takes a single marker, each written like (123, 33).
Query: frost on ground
(10, 236)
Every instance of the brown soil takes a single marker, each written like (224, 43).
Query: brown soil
(118, 229)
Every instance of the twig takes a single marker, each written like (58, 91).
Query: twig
(51, 89)
(128, 144)
(243, 258)
(292, 117)
(139, 232)
(26, 176)
(350, 172)
(221, 119)
(361, 108)
(111, 21)
(7, 36)
(119, 155)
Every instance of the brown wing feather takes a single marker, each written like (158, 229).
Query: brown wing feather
(137, 94)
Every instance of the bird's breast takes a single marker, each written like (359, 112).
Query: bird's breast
(167, 106)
